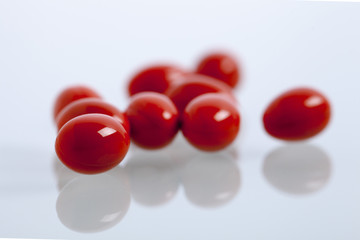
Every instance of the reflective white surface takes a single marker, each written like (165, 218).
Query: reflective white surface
(259, 188)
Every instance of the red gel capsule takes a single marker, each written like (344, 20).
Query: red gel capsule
(193, 86)
(210, 122)
(92, 143)
(297, 114)
(220, 66)
(71, 94)
(154, 79)
(153, 118)
(90, 105)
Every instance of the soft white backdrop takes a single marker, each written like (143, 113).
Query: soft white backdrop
(48, 45)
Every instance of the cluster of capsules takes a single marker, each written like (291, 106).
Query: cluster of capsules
(94, 136)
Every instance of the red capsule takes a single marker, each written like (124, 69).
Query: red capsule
(193, 86)
(297, 114)
(220, 66)
(92, 143)
(154, 79)
(90, 105)
(154, 120)
(71, 94)
(210, 122)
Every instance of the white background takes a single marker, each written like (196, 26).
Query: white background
(48, 45)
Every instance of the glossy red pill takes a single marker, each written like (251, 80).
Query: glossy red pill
(220, 66)
(71, 94)
(153, 118)
(193, 86)
(155, 79)
(92, 143)
(210, 122)
(297, 114)
(90, 105)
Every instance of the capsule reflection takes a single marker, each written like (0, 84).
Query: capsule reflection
(94, 203)
(297, 169)
(211, 180)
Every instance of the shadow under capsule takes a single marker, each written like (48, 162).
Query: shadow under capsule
(93, 203)
(297, 169)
